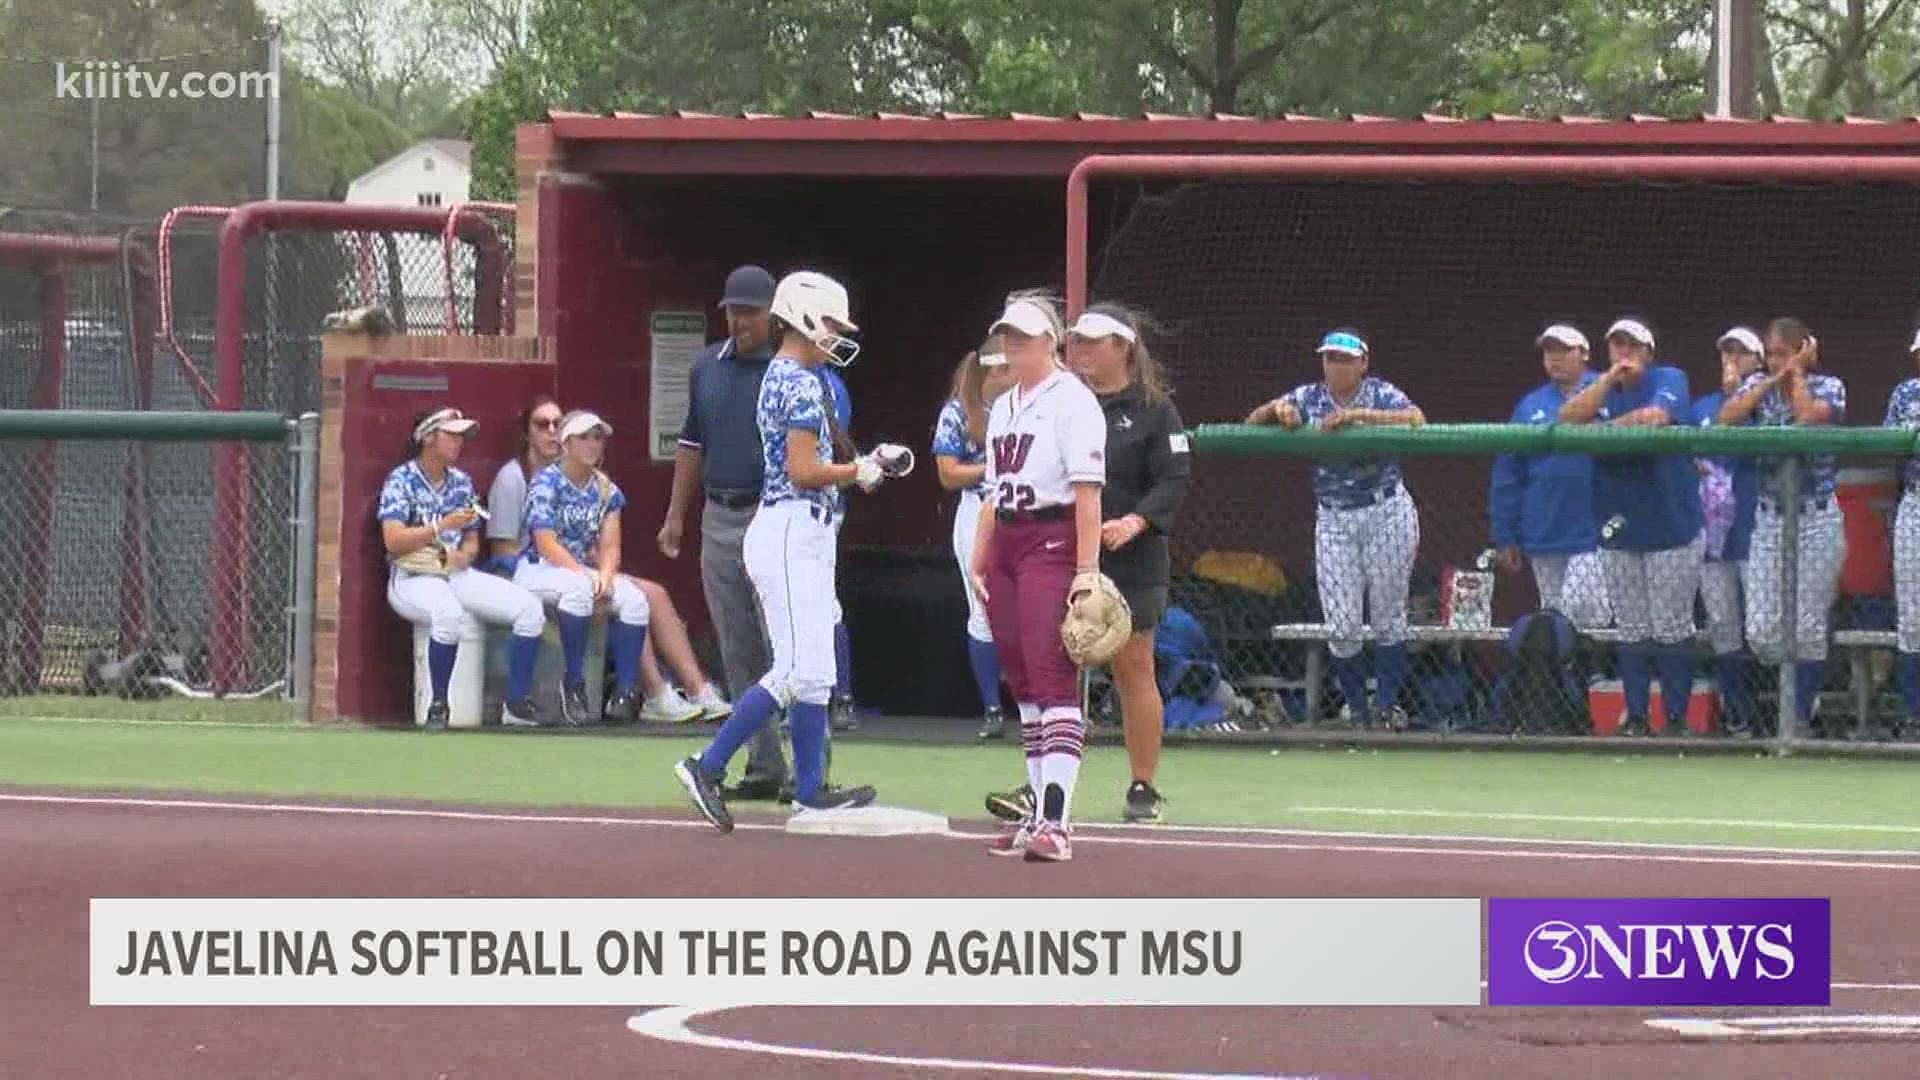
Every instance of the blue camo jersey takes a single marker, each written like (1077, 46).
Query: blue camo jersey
(574, 514)
(1739, 467)
(951, 439)
(408, 497)
(1903, 411)
(1350, 482)
(1775, 410)
(792, 399)
(1654, 500)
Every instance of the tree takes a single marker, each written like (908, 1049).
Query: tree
(390, 55)
(1845, 56)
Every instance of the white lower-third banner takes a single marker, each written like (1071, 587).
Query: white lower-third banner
(1016, 951)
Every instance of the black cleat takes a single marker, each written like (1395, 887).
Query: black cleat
(1143, 803)
(703, 790)
(754, 791)
(993, 725)
(841, 715)
(623, 707)
(437, 714)
(836, 798)
(573, 705)
(1015, 805)
(1633, 727)
(523, 713)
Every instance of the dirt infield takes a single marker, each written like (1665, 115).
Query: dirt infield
(59, 851)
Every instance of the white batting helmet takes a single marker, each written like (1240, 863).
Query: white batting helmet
(805, 300)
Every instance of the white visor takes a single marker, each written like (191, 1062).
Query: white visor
(993, 359)
(445, 420)
(1092, 325)
(1634, 329)
(584, 423)
(1566, 335)
(1026, 317)
(1744, 338)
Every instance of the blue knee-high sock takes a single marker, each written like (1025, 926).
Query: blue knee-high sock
(573, 644)
(440, 667)
(751, 711)
(1676, 682)
(1351, 677)
(984, 659)
(809, 748)
(1736, 689)
(1389, 673)
(1807, 677)
(522, 654)
(842, 661)
(1636, 680)
(626, 642)
(1907, 677)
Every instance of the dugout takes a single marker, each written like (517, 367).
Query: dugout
(628, 223)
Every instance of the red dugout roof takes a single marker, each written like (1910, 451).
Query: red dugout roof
(955, 144)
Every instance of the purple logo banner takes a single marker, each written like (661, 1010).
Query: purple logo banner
(1662, 952)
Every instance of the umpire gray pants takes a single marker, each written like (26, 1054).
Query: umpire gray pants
(736, 621)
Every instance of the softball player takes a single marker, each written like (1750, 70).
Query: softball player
(424, 502)
(1727, 498)
(959, 450)
(1037, 539)
(1792, 394)
(572, 562)
(789, 549)
(1650, 538)
(1903, 411)
(1366, 529)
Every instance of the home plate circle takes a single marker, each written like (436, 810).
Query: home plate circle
(866, 821)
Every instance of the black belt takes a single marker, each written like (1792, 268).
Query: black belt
(733, 500)
(1046, 513)
(1774, 506)
(1362, 500)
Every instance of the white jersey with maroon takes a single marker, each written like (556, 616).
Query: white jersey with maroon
(1041, 442)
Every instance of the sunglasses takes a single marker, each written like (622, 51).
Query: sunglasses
(545, 424)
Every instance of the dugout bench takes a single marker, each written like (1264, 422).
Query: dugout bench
(1857, 643)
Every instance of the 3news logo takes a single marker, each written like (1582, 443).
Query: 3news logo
(1659, 952)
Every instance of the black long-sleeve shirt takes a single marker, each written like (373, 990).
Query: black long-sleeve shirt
(1148, 465)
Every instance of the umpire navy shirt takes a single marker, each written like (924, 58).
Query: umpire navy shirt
(722, 408)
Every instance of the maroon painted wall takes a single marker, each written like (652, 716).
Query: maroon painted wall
(376, 646)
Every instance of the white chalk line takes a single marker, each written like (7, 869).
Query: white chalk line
(670, 1025)
(1777, 1027)
(1599, 819)
(1334, 841)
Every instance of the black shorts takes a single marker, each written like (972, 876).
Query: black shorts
(1148, 604)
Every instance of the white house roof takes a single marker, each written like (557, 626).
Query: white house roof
(459, 151)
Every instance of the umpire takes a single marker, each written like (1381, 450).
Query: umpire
(1147, 469)
(720, 451)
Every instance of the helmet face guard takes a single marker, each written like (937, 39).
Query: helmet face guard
(839, 348)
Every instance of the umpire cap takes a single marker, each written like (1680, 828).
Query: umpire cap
(748, 286)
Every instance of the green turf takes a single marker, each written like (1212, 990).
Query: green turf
(1205, 785)
(270, 710)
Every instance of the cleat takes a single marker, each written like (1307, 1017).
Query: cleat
(1050, 844)
(622, 708)
(712, 706)
(993, 725)
(1633, 727)
(836, 798)
(523, 713)
(841, 715)
(573, 705)
(753, 791)
(669, 707)
(704, 792)
(1012, 840)
(1016, 805)
(1143, 803)
(1393, 719)
(437, 715)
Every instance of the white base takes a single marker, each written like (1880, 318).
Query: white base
(866, 821)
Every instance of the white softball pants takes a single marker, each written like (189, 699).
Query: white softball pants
(443, 604)
(1720, 595)
(571, 591)
(1574, 586)
(790, 559)
(1363, 562)
(966, 522)
(1906, 572)
(1652, 591)
(1821, 548)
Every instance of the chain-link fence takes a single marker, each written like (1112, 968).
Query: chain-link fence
(1385, 605)
(110, 586)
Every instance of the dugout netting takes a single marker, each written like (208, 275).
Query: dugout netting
(1450, 267)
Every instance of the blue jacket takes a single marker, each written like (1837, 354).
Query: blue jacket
(1655, 498)
(1543, 503)
(1746, 483)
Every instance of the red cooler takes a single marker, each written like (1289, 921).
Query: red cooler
(1868, 497)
